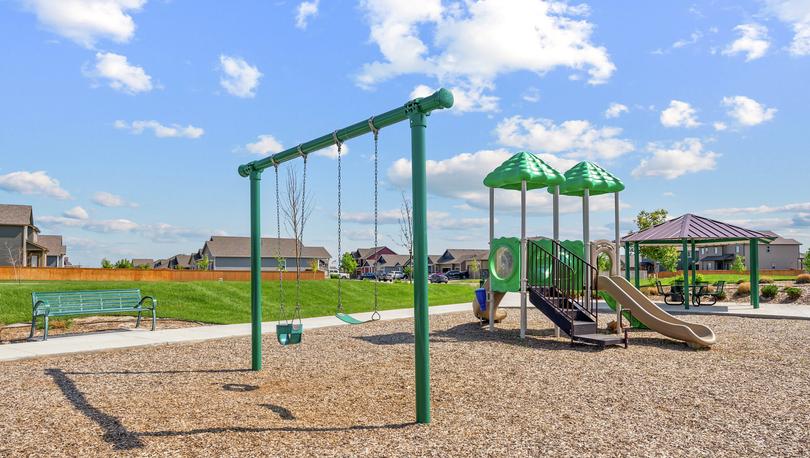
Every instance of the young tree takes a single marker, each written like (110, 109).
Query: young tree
(13, 260)
(807, 261)
(406, 227)
(475, 267)
(106, 264)
(347, 263)
(738, 265)
(666, 256)
(296, 209)
(204, 263)
(603, 263)
(122, 264)
(314, 265)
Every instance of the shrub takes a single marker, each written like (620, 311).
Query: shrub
(651, 291)
(770, 291)
(793, 293)
(722, 296)
(744, 289)
(803, 278)
(741, 281)
(700, 278)
(765, 280)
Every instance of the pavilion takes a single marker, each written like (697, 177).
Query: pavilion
(688, 231)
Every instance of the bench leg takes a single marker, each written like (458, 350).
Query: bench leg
(138, 321)
(154, 318)
(45, 336)
(33, 326)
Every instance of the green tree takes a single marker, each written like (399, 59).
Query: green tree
(347, 263)
(204, 263)
(407, 271)
(603, 263)
(666, 256)
(738, 265)
(106, 264)
(314, 265)
(123, 264)
(807, 261)
(475, 267)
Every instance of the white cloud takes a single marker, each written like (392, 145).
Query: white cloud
(111, 225)
(669, 194)
(465, 99)
(675, 160)
(797, 14)
(120, 74)
(473, 43)
(332, 152)
(383, 217)
(762, 209)
(305, 10)
(266, 144)
(753, 42)
(167, 233)
(24, 182)
(175, 130)
(532, 95)
(576, 139)
(615, 110)
(106, 199)
(720, 126)
(86, 21)
(694, 37)
(679, 114)
(159, 232)
(748, 111)
(76, 212)
(240, 78)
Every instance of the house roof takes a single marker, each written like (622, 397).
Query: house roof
(463, 254)
(587, 175)
(779, 240)
(394, 259)
(239, 247)
(53, 243)
(142, 262)
(521, 167)
(16, 215)
(181, 259)
(697, 228)
(364, 253)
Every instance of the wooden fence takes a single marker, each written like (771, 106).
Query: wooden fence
(768, 273)
(83, 274)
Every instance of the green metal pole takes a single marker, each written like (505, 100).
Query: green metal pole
(685, 265)
(627, 261)
(754, 271)
(636, 257)
(693, 264)
(420, 288)
(255, 270)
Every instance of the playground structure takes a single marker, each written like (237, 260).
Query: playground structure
(416, 112)
(559, 277)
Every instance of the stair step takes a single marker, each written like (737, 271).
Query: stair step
(600, 339)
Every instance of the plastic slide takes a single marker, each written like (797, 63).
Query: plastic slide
(652, 316)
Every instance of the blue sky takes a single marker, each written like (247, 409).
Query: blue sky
(123, 121)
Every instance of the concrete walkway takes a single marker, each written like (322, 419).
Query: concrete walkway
(60, 345)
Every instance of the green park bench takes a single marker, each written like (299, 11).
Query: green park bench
(72, 303)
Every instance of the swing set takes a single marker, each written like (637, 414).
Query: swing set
(290, 332)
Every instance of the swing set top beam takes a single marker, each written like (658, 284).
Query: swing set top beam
(438, 100)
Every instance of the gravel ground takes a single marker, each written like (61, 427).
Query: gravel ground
(19, 332)
(348, 391)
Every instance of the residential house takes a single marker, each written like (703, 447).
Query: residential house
(473, 261)
(233, 253)
(179, 261)
(21, 243)
(781, 253)
(366, 258)
(388, 263)
(161, 264)
(139, 263)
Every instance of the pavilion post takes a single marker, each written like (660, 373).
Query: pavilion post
(617, 269)
(586, 237)
(685, 260)
(693, 263)
(753, 267)
(626, 260)
(636, 259)
(524, 261)
(490, 294)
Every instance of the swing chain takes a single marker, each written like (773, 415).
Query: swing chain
(282, 310)
(376, 315)
(339, 145)
(299, 238)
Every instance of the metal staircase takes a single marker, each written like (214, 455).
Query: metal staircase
(563, 286)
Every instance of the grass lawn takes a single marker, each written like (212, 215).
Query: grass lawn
(711, 278)
(229, 302)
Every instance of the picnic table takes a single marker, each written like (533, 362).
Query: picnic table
(696, 291)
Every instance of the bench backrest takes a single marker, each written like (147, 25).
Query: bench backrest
(66, 302)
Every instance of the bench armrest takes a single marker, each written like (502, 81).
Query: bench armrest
(151, 299)
(37, 307)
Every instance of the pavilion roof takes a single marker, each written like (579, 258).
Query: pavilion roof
(695, 228)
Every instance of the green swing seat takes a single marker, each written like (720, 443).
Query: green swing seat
(289, 334)
(348, 319)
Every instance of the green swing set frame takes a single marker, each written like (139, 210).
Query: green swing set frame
(416, 112)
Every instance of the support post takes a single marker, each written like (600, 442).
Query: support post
(556, 234)
(753, 267)
(685, 265)
(637, 263)
(523, 261)
(490, 294)
(255, 271)
(586, 238)
(626, 260)
(618, 267)
(693, 263)
(418, 121)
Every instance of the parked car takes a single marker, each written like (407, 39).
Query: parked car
(368, 276)
(437, 278)
(456, 274)
(397, 275)
(334, 273)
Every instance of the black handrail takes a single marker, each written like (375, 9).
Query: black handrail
(586, 281)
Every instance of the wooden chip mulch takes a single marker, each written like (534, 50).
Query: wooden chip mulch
(349, 391)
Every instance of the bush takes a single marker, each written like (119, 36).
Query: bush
(741, 281)
(803, 278)
(793, 293)
(765, 280)
(722, 296)
(770, 291)
(744, 289)
(700, 278)
(651, 291)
